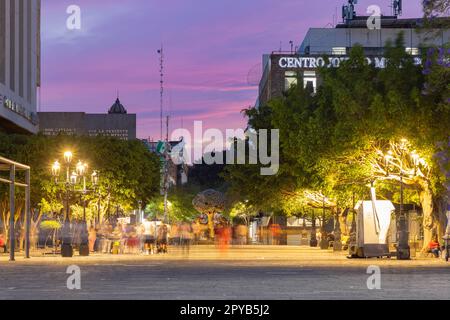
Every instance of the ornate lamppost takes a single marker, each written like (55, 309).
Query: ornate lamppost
(81, 170)
(324, 241)
(313, 241)
(337, 244)
(139, 217)
(70, 183)
(403, 249)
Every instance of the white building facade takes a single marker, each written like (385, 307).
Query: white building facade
(283, 69)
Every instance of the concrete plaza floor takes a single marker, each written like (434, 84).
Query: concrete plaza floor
(250, 272)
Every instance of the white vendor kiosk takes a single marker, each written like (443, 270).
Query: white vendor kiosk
(373, 222)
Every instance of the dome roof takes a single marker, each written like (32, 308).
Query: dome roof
(117, 107)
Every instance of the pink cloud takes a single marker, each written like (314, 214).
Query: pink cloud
(210, 48)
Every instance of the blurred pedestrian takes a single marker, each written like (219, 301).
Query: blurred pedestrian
(92, 238)
(175, 234)
(185, 237)
(106, 241)
(141, 237)
(224, 233)
(117, 240)
(241, 234)
(162, 239)
(319, 236)
(275, 230)
(149, 235)
(3, 243)
(196, 230)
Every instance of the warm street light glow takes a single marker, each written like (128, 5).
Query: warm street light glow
(73, 178)
(94, 178)
(81, 168)
(403, 144)
(56, 168)
(389, 156)
(68, 155)
(415, 157)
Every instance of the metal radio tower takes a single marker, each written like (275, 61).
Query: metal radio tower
(161, 70)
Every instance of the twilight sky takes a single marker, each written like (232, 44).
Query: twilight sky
(211, 46)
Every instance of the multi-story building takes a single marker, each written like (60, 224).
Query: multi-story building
(116, 123)
(283, 69)
(19, 65)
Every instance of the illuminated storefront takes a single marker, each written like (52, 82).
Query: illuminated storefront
(328, 47)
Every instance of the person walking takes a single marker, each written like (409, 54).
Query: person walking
(149, 236)
(175, 234)
(241, 234)
(141, 237)
(196, 232)
(162, 239)
(185, 237)
(275, 229)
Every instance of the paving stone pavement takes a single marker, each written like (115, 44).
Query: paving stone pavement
(254, 272)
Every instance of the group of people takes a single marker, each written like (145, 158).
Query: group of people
(149, 237)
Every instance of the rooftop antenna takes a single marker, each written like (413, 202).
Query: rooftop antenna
(292, 46)
(397, 7)
(348, 11)
(161, 70)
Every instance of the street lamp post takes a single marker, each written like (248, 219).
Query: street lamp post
(323, 242)
(313, 240)
(94, 178)
(70, 183)
(337, 244)
(140, 217)
(403, 249)
(84, 236)
(66, 232)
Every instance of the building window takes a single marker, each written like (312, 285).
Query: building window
(290, 79)
(309, 78)
(339, 51)
(412, 51)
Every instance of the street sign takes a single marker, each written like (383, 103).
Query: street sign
(161, 147)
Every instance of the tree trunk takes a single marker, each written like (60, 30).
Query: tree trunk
(34, 224)
(211, 225)
(429, 221)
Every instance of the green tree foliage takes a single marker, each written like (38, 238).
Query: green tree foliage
(128, 171)
(329, 138)
(180, 208)
(434, 11)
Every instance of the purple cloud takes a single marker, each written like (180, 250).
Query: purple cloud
(210, 47)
